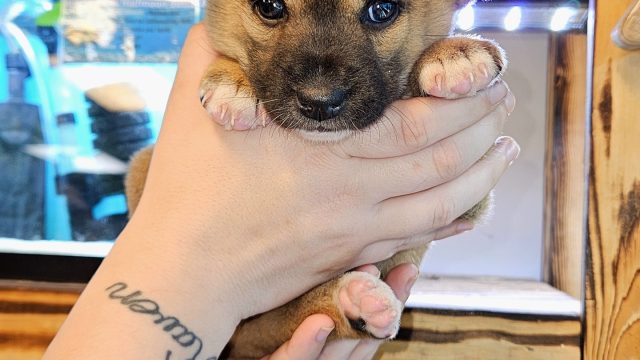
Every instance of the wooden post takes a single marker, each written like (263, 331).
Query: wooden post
(612, 299)
(565, 169)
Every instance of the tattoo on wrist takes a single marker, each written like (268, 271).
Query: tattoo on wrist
(181, 335)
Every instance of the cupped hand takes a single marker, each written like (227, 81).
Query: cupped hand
(271, 215)
(309, 341)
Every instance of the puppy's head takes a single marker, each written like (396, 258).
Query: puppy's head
(327, 66)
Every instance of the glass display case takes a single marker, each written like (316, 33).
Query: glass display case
(83, 85)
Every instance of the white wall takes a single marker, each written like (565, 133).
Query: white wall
(510, 245)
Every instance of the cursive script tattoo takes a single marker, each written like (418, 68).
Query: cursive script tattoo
(135, 302)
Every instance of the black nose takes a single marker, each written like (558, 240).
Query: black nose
(321, 107)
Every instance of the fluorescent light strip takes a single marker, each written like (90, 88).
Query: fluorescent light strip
(561, 18)
(466, 18)
(498, 17)
(513, 19)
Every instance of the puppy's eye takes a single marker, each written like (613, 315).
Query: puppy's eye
(380, 12)
(270, 9)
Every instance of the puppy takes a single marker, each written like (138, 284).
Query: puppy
(325, 69)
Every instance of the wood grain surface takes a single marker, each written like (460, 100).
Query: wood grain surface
(30, 315)
(565, 167)
(449, 335)
(612, 303)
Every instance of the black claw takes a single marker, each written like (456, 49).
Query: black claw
(359, 325)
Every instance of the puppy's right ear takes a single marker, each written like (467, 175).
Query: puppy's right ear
(462, 3)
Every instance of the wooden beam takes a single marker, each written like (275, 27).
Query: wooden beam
(451, 335)
(612, 303)
(565, 168)
(487, 318)
(30, 315)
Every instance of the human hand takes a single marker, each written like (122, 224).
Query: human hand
(252, 206)
(232, 224)
(309, 339)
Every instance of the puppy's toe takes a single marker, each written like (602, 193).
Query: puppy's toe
(454, 78)
(459, 68)
(233, 108)
(369, 304)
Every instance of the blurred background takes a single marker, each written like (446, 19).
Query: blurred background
(83, 85)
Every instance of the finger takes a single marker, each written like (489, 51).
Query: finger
(457, 227)
(307, 341)
(365, 350)
(401, 279)
(439, 206)
(351, 349)
(371, 269)
(410, 125)
(434, 165)
(384, 249)
(339, 349)
(184, 98)
(196, 56)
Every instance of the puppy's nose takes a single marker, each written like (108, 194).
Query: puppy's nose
(321, 107)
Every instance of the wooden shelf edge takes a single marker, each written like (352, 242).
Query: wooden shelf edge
(493, 296)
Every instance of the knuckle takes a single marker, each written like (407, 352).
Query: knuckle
(414, 133)
(414, 127)
(447, 159)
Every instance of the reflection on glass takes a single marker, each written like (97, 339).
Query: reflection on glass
(561, 18)
(65, 138)
(513, 19)
(466, 18)
(81, 90)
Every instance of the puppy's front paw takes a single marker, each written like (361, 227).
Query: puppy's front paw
(459, 66)
(369, 304)
(231, 106)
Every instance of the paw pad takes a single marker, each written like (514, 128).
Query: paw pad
(369, 304)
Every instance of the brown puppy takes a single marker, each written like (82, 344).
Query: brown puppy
(325, 69)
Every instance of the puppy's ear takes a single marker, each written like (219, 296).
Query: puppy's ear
(462, 3)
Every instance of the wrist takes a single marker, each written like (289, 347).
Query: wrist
(149, 304)
(173, 263)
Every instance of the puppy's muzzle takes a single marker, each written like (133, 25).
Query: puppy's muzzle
(321, 106)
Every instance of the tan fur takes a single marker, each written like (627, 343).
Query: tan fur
(403, 50)
(136, 177)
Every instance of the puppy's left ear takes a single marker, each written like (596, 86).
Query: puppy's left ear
(462, 3)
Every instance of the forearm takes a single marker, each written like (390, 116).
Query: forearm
(146, 307)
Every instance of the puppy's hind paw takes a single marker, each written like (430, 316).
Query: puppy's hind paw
(233, 108)
(369, 304)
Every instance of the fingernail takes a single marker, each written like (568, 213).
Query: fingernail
(510, 103)
(414, 272)
(497, 92)
(509, 147)
(323, 334)
(464, 226)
